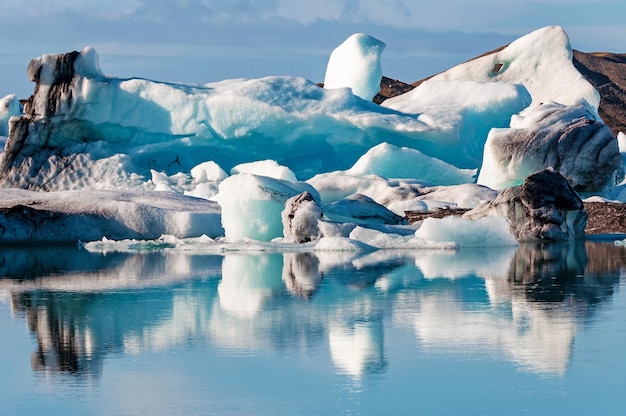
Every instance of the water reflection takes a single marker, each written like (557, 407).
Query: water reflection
(301, 274)
(523, 305)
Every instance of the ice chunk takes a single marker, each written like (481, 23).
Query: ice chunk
(361, 209)
(334, 186)
(401, 207)
(301, 218)
(566, 138)
(208, 172)
(163, 182)
(252, 205)
(265, 168)
(462, 112)
(355, 64)
(70, 216)
(401, 162)
(485, 232)
(458, 196)
(621, 141)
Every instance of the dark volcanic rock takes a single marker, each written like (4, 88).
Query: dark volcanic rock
(607, 73)
(605, 218)
(543, 208)
(390, 87)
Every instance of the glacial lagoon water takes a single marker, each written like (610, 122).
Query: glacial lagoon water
(510, 331)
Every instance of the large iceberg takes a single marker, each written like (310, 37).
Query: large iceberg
(463, 112)
(252, 145)
(559, 127)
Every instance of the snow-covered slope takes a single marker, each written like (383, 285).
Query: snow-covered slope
(541, 61)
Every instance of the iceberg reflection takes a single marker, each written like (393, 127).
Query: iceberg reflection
(523, 305)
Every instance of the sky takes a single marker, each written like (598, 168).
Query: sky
(201, 41)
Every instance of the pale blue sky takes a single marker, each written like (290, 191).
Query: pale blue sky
(209, 40)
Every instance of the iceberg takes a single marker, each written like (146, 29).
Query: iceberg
(82, 129)
(566, 138)
(355, 64)
(560, 128)
(227, 158)
(541, 61)
(251, 205)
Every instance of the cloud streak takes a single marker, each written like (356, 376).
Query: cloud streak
(207, 40)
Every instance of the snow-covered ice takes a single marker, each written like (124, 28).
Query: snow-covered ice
(541, 61)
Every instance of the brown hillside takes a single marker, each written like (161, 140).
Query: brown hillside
(607, 73)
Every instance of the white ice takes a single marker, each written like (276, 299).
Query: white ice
(621, 141)
(355, 64)
(9, 107)
(485, 232)
(462, 112)
(390, 161)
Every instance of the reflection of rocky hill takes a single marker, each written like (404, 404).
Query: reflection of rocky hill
(605, 259)
(575, 272)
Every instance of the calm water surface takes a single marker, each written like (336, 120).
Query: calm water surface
(510, 331)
